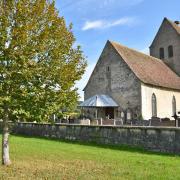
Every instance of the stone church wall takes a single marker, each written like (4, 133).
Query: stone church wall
(113, 77)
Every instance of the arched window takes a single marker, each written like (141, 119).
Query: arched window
(173, 105)
(154, 105)
(170, 51)
(161, 53)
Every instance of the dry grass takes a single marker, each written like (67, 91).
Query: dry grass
(35, 158)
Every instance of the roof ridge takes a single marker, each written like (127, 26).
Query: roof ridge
(158, 73)
(154, 58)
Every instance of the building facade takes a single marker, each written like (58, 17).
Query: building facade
(143, 86)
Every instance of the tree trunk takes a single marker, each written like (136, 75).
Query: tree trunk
(5, 142)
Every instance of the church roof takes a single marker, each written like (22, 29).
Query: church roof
(148, 69)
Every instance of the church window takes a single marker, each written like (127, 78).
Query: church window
(161, 53)
(154, 106)
(108, 68)
(170, 51)
(173, 105)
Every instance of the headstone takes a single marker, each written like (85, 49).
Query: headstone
(122, 114)
(128, 115)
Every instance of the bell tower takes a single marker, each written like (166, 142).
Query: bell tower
(166, 44)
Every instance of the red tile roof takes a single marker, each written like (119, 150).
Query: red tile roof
(148, 69)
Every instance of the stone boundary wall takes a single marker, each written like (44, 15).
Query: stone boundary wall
(160, 139)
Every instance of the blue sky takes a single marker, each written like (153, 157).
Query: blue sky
(133, 23)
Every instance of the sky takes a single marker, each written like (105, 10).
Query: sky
(133, 23)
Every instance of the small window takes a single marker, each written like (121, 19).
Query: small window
(170, 51)
(161, 53)
(154, 106)
(108, 68)
(173, 105)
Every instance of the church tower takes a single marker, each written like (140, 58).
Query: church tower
(166, 44)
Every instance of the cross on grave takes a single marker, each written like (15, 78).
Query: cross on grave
(176, 119)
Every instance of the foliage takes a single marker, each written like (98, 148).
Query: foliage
(38, 61)
(35, 158)
(140, 117)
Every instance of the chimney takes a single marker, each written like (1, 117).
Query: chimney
(177, 22)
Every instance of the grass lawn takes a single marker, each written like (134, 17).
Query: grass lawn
(35, 158)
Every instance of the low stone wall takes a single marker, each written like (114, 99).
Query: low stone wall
(161, 139)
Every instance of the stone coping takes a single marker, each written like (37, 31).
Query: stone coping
(104, 126)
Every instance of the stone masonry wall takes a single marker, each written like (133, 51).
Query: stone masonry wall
(160, 139)
(113, 77)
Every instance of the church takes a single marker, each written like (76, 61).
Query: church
(128, 84)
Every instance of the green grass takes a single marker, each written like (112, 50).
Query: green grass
(35, 158)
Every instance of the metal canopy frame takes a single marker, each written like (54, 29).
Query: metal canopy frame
(99, 101)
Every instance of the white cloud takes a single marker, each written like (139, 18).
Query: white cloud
(92, 25)
(102, 24)
(82, 83)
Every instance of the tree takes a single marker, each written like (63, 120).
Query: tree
(39, 64)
